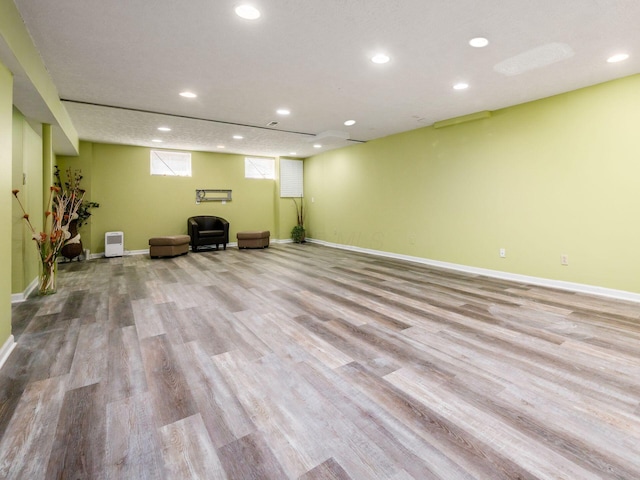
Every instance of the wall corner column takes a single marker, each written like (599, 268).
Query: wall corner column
(6, 199)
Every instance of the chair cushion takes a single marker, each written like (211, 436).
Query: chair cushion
(211, 233)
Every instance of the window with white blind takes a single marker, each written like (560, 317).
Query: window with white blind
(255, 167)
(176, 164)
(291, 178)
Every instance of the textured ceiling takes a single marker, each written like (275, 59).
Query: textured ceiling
(313, 57)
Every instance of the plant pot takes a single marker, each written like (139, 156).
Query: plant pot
(298, 234)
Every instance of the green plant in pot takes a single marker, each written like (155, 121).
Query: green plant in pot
(298, 232)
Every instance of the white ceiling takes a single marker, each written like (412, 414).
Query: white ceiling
(119, 65)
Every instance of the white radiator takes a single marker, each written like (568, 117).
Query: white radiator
(114, 244)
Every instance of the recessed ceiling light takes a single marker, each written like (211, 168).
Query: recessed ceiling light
(248, 12)
(380, 58)
(188, 94)
(164, 129)
(348, 123)
(317, 145)
(618, 58)
(479, 42)
(220, 146)
(461, 86)
(238, 137)
(292, 153)
(283, 111)
(157, 140)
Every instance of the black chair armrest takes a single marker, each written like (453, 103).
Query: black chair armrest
(225, 227)
(193, 228)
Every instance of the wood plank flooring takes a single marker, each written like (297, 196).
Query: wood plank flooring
(305, 362)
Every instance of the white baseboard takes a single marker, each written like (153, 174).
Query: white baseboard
(21, 297)
(283, 240)
(127, 253)
(6, 349)
(515, 277)
(136, 252)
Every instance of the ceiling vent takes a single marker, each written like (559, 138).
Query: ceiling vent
(330, 136)
(272, 124)
(535, 58)
(463, 119)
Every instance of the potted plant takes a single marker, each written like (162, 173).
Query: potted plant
(298, 231)
(73, 247)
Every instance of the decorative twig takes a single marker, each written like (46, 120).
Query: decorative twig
(299, 211)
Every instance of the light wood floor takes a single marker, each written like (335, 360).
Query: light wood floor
(301, 361)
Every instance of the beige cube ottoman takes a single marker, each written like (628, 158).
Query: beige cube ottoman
(169, 246)
(253, 239)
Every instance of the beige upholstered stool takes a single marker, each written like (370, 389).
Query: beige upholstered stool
(254, 239)
(169, 246)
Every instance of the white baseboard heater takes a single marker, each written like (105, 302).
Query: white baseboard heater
(114, 244)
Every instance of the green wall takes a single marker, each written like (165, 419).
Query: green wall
(6, 199)
(26, 177)
(143, 206)
(288, 217)
(23, 151)
(551, 177)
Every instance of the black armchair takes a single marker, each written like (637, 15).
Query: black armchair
(208, 230)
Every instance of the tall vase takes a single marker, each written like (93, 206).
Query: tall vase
(73, 248)
(48, 277)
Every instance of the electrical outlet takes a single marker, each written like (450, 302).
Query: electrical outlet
(564, 259)
(503, 253)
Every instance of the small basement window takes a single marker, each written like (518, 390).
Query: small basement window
(291, 178)
(259, 168)
(176, 164)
